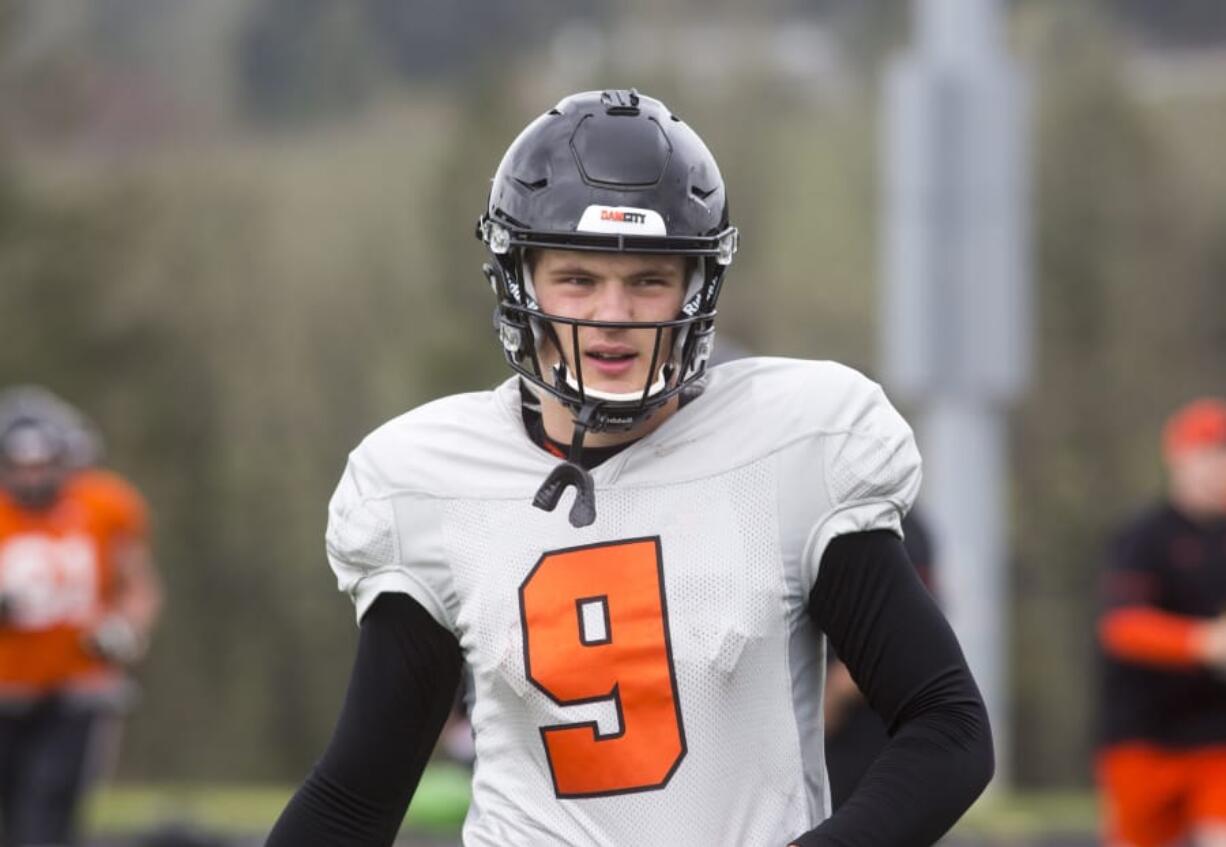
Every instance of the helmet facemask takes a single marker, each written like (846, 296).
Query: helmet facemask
(680, 348)
(32, 463)
(610, 172)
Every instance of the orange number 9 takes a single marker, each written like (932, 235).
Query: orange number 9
(596, 628)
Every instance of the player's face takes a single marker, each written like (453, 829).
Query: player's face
(1198, 479)
(30, 467)
(33, 485)
(610, 287)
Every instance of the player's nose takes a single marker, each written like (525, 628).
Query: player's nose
(614, 302)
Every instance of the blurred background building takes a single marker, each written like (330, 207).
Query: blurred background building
(240, 234)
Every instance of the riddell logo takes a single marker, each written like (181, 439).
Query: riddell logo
(625, 217)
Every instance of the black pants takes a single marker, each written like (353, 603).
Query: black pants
(44, 752)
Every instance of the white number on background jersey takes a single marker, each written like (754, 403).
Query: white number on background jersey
(48, 580)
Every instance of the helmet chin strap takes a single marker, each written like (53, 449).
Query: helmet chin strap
(614, 396)
(571, 472)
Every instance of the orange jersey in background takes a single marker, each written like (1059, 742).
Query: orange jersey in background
(57, 575)
(1154, 796)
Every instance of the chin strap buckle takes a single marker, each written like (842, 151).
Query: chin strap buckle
(571, 472)
(583, 510)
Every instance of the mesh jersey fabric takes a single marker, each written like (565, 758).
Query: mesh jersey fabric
(733, 499)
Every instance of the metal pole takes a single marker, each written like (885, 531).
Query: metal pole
(965, 471)
(956, 306)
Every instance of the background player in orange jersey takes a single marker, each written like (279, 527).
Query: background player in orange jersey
(1162, 759)
(78, 596)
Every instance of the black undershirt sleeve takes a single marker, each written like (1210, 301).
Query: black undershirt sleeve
(402, 688)
(903, 655)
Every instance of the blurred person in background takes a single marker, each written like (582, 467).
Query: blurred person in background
(78, 598)
(643, 655)
(1161, 765)
(855, 734)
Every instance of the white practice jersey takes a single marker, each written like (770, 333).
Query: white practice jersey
(654, 678)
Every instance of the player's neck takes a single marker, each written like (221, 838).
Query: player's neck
(560, 425)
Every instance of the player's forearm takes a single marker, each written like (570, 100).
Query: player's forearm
(138, 596)
(322, 813)
(401, 691)
(931, 771)
(121, 633)
(900, 650)
(1150, 636)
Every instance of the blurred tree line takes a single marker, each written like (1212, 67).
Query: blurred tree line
(236, 304)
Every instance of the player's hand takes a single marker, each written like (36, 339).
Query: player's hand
(1212, 644)
(116, 641)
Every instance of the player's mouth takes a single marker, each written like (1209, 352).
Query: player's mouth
(610, 361)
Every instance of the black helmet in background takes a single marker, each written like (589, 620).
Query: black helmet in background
(43, 440)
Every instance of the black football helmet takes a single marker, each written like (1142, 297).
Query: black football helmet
(42, 441)
(607, 171)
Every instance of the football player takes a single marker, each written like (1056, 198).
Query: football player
(633, 561)
(1161, 762)
(78, 596)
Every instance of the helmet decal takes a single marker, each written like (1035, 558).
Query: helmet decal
(624, 219)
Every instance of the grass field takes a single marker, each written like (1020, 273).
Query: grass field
(438, 808)
(1029, 815)
(241, 810)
